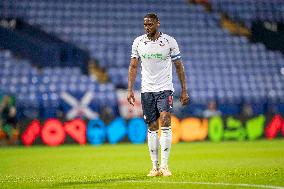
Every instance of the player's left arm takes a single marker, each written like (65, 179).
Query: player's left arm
(184, 98)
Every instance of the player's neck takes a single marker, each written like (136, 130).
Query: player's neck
(155, 36)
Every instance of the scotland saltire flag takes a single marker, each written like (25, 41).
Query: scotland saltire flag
(76, 107)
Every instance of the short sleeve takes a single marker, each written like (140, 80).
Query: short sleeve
(134, 51)
(175, 53)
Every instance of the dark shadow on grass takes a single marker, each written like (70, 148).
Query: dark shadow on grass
(107, 180)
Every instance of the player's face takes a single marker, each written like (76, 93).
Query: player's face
(151, 26)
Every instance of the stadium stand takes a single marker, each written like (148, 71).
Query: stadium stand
(250, 10)
(41, 48)
(38, 91)
(219, 66)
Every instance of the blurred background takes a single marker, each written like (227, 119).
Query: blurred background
(68, 59)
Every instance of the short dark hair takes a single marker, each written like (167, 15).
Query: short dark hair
(152, 15)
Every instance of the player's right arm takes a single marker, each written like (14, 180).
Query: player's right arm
(132, 72)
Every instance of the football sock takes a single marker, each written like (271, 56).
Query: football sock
(153, 145)
(166, 142)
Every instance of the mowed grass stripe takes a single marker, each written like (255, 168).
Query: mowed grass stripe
(125, 165)
(209, 183)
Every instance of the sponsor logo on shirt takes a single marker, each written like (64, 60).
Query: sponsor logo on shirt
(154, 56)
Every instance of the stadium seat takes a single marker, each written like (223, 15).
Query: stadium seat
(227, 68)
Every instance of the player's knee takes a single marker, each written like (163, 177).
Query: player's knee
(153, 126)
(165, 120)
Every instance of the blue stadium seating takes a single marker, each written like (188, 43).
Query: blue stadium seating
(249, 10)
(218, 66)
(39, 91)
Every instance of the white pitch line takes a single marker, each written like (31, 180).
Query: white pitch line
(205, 183)
(176, 182)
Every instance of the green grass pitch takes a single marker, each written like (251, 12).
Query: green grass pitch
(257, 164)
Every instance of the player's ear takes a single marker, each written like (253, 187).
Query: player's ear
(158, 23)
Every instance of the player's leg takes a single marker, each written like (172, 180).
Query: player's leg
(165, 105)
(150, 117)
(165, 141)
(153, 145)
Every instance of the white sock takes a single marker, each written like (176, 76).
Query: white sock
(153, 145)
(166, 142)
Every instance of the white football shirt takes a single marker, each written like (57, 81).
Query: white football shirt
(156, 61)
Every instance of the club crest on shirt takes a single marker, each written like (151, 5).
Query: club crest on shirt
(161, 44)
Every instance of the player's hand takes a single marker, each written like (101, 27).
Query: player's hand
(184, 98)
(131, 98)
